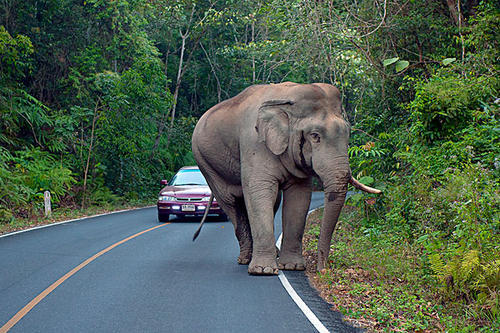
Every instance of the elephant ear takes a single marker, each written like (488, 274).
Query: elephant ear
(272, 125)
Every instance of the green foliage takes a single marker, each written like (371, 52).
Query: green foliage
(366, 158)
(25, 176)
(438, 157)
(41, 172)
(18, 109)
(458, 225)
(15, 55)
(84, 105)
(129, 108)
(101, 195)
(14, 193)
(482, 39)
(446, 104)
(398, 64)
(23, 112)
(471, 275)
(377, 280)
(464, 253)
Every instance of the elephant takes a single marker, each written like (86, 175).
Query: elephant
(272, 139)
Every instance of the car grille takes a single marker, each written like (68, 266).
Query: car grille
(187, 199)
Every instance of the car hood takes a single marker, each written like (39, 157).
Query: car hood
(186, 191)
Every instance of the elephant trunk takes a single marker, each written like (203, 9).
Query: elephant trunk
(335, 180)
(334, 201)
(335, 194)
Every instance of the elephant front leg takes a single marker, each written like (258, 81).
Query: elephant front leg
(259, 200)
(296, 201)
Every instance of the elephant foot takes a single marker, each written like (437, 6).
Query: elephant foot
(291, 262)
(244, 257)
(261, 266)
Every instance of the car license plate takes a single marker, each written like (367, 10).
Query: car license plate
(188, 208)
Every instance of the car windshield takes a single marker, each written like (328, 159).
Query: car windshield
(188, 177)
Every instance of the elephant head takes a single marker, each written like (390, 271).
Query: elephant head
(311, 137)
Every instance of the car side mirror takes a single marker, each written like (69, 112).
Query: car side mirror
(164, 182)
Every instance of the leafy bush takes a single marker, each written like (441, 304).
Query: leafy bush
(15, 54)
(465, 254)
(368, 204)
(41, 172)
(362, 157)
(102, 196)
(458, 225)
(443, 191)
(13, 191)
(25, 176)
(445, 104)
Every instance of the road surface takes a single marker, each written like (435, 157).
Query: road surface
(126, 272)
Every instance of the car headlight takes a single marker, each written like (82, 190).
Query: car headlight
(207, 199)
(166, 198)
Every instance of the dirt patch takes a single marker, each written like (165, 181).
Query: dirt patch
(336, 295)
(367, 297)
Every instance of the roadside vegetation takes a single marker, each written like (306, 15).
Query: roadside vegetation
(65, 213)
(98, 100)
(384, 283)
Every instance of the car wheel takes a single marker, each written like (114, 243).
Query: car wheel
(163, 217)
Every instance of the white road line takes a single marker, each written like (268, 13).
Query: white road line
(69, 221)
(296, 298)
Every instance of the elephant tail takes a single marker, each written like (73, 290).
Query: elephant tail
(197, 232)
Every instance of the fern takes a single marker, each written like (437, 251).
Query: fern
(437, 265)
(470, 264)
(470, 274)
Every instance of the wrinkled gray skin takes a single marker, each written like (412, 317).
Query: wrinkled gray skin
(271, 138)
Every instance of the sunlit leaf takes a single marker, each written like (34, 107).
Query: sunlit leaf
(367, 180)
(401, 64)
(448, 61)
(390, 61)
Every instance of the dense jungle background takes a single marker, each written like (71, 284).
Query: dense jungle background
(98, 100)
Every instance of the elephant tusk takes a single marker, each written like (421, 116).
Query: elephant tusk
(363, 187)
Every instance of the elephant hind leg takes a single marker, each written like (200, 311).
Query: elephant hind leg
(230, 198)
(238, 215)
(235, 209)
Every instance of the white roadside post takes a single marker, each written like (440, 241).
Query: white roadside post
(48, 206)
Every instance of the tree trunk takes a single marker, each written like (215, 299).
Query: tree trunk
(456, 15)
(179, 77)
(253, 55)
(180, 73)
(86, 172)
(174, 104)
(212, 67)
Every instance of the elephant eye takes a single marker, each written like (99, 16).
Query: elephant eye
(315, 137)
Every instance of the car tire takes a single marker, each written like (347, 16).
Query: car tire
(163, 217)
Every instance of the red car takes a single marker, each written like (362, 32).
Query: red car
(187, 194)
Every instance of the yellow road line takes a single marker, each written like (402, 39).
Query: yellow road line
(18, 316)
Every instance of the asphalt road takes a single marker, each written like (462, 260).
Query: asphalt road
(159, 281)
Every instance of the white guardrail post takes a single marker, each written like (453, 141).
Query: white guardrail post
(48, 206)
